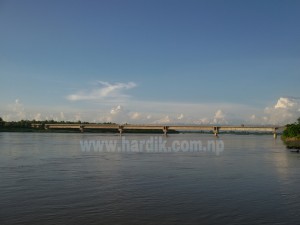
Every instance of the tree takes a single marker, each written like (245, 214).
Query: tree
(1, 122)
(292, 130)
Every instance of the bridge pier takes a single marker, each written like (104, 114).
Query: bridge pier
(275, 133)
(165, 130)
(120, 130)
(216, 131)
(81, 128)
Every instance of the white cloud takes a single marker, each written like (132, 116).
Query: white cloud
(164, 120)
(105, 91)
(203, 121)
(219, 118)
(135, 116)
(117, 114)
(286, 110)
(117, 110)
(290, 103)
(120, 114)
(219, 114)
(154, 112)
(180, 117)
(15, 111)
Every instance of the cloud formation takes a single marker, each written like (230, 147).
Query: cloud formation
(290, 103)
(105, 91)
(284, 110)
(220, 117)
(15, 111)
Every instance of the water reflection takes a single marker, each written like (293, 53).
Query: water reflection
(47, 179)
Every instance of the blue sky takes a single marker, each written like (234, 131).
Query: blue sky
(150, 61)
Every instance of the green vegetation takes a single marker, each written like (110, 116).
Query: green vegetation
(35, 126)
(292, 131)
(291, 135)
(39, 126)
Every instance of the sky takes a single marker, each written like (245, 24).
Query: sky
(167, 61)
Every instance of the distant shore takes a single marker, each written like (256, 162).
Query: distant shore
(113, 131)
(51, 126)
(41, 130)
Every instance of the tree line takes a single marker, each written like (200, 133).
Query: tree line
(30, 123)
(292, 130)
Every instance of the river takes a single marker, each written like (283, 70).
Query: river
(47, 178)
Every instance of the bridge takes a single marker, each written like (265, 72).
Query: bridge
(164, 128)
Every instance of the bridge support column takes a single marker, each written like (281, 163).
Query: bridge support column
(165, 130)
(275, 133)
(120, 130)
(216, 131)
(81, 128)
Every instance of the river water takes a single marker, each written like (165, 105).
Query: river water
(47, 178)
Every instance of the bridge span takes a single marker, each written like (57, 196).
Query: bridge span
(165, 128)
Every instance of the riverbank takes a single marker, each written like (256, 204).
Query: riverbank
(291, 135)
(41, 130)
(291, 142)
(131, 131)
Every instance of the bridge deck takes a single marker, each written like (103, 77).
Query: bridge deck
(164, 127)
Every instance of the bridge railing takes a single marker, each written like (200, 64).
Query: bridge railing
(165, 128)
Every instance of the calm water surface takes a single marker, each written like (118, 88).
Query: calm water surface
(47, 179)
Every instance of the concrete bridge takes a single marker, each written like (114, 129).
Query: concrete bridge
(165, 128)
